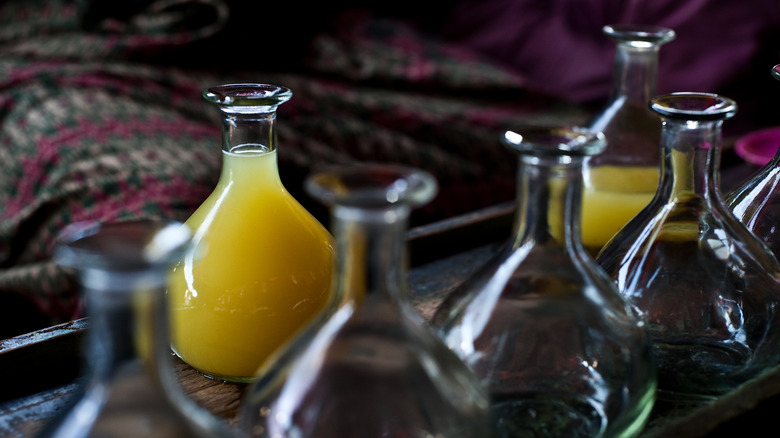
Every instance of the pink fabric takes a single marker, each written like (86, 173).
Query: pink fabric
(559, 47)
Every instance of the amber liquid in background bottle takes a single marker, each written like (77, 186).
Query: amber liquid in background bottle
(261, 265)
(622, 180)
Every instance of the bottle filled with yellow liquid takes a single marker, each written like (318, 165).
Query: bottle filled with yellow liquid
(261, 265)
(623, 179)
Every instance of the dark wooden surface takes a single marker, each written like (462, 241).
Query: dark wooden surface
(41, 370)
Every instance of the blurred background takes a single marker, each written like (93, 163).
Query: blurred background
(101, 115)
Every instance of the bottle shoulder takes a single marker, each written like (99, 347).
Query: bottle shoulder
(269, 209)
(363, 354)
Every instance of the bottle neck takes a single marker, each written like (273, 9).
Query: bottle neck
(371, 256)
(690, 159)
(635, 73)
(548, 201)
(128, 323)
(247, 133)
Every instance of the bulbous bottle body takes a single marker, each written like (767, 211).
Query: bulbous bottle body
(261, 265)
(704, 285)
(541, 324)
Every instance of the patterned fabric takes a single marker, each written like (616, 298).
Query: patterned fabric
(91, 128)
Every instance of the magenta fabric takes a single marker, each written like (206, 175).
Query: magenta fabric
(558, 45)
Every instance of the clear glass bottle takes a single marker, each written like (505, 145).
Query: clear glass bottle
(373, 368)
(705, 286)
(541, 324)
(130, 388)
(623, 179)
(262, 264)
(756, 202)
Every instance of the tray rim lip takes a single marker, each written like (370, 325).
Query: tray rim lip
(15, 343)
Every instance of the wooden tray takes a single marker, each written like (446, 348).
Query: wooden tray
(41, 369)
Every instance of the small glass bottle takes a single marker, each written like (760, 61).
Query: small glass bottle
(261, 265)
(756, 202)
(541, 324)
(705, 286)
(130, 387)
(373, 368)
(623, 179)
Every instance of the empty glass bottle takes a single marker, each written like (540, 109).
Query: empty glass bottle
(130, 389)
(261, 265)
(372, 369)
(756, 202)
(623, 179)
(541, 324)
(705, 286)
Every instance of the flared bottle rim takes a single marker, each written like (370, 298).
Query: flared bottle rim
(371, 185)
(122, 246)
(694, 106)
(639, 35)
(572, 141)
(247, 97)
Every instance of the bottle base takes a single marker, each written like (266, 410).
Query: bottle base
(545, 415)
(698, 373)
(215, 376)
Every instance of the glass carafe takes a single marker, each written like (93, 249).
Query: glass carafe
(541, 324)
(373, 368)
(261, 265)
(130, 387)
(705, 286)
(623, 179)
(756, 202)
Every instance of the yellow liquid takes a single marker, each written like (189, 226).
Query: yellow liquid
(260, 270)
(611, 196)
